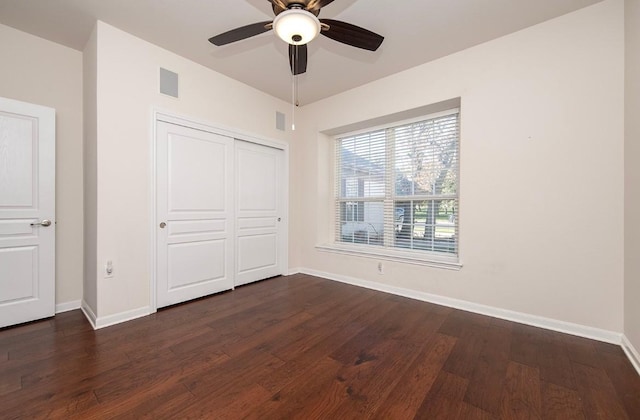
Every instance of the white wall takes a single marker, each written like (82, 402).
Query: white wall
(41, 72)
(127, 92)
(541, 214)
(632, 174)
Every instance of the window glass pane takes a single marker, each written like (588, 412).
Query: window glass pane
(352, 211)
(362, 222)
(429, 225)
(426, 157)
(362, 165)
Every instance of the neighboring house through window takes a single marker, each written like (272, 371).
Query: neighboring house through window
(397, 187)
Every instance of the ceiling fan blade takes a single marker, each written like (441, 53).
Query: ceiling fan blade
(278, 6)
(352, 35)
(240, 33)
(279, 3)
(298, 58)
(318, 4)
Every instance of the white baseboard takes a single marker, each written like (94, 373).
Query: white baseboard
(519, 317)
(107, 321)
(67, 306)
(88, 313)
(293, 271)
(631, 352)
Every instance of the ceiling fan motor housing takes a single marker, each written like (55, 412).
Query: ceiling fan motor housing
(296, 26)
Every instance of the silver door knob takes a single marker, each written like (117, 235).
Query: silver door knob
(162, 225)
(44, 223)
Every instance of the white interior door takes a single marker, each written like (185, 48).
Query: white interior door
(27, 212)
(194, 213)
(260, 193)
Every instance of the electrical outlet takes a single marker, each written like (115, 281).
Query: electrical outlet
(380, 268)
(108, 270)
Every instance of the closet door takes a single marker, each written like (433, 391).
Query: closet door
(260, 197)
(194, 213)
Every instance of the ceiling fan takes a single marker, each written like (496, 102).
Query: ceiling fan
(297, 23)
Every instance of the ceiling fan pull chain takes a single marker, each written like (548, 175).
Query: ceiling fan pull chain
(293, 102)
(294, 89)
(297, 91)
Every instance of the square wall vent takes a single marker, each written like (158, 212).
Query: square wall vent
(168, 82)
(280, 121)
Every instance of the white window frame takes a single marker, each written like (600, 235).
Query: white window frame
(388, 252)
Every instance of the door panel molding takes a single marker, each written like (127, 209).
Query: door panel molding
(27, 197)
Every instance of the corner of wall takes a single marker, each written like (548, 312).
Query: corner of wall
(632, 179)
(88, 313)
(89, 76)
(631, 352)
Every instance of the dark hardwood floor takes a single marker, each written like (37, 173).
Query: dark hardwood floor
(305, 347)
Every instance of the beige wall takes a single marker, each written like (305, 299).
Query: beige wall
(41, 72)
(632, 174)
(541, 213)
(127, 92)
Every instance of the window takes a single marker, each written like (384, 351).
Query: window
(397, 187)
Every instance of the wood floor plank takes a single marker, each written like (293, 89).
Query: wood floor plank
(367, 381)
(293, 400)
(59, 383)
(466, 353)
(444, 399)
(624, 380)
(44, 373)
(10, 382)
(266, 339)
(306, 338)
(72, 405)
(582, 351)
(521, 397)
(248, 368)
(305, 347)
(600, 399)
(487, 380)
(552, 359)
(155, 405)
(469, 412)
(145, 378)
(407, 396)
(560, 403)
(459, 321)
(370, 377)
(240, 406)
(526, 345)
(301, 353)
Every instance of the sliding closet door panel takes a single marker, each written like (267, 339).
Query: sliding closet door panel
(194, 213)
(260, 181)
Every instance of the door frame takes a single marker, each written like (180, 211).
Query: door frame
(159, 115)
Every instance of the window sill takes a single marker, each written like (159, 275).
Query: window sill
(416, 258)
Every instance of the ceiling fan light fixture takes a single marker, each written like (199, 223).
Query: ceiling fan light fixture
(296, 26)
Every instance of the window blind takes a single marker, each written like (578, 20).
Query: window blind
(397, 186)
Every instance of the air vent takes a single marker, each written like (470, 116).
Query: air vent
(168, 82)
(280, 121)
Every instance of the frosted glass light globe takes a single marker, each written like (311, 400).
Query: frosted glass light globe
(296, 26)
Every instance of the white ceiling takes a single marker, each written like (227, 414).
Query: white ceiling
(415, 31)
